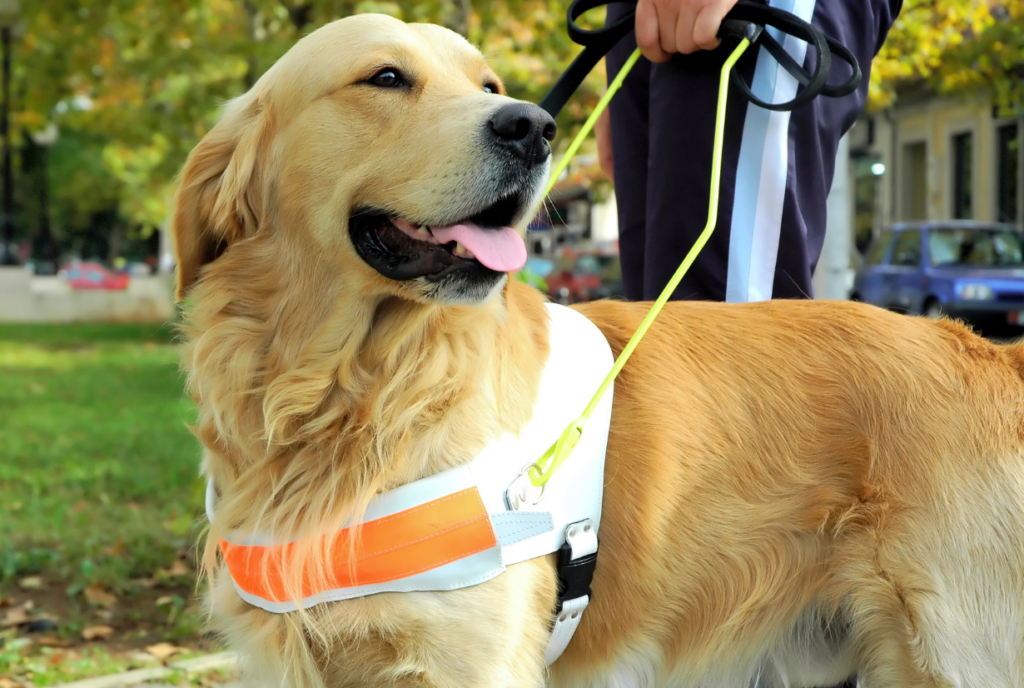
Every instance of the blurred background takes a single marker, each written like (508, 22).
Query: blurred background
(101, 101)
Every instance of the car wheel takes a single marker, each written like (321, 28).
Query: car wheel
(932, 309)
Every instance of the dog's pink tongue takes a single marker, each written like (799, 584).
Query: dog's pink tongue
(500, 249)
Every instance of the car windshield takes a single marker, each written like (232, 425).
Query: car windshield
(980, 248)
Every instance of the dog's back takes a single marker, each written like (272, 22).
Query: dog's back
(809, 489)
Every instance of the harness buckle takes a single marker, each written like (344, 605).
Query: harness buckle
(577, 559)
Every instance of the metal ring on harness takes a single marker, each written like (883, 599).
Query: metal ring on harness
(518, 493)
(742, 21)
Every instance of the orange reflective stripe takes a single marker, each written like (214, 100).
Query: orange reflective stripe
(397, 546)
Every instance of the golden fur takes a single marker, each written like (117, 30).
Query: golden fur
(795, 491)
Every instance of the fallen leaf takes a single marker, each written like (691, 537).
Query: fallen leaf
(6, 601)
(47, 641)
(16, 616)
(96, 595)
(9, 683)
(97, 632)
(32, 583)
(143, 658)
(163, 601)
(178, 568)
(164, 650)
(146, 583)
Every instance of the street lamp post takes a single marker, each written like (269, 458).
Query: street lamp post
(9, 10)
(46, 246)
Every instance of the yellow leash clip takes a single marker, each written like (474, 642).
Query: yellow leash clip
(543, 470)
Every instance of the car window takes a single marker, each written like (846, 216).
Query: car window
(908, 249)
(880, 249)
(983, 248)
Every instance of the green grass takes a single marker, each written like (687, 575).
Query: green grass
(98, 473)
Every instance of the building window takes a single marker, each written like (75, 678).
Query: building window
(963, 175)
(1007, 178)
(915, 181)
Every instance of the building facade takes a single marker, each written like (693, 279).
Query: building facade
(937, 158)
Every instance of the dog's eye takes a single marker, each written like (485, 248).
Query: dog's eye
(491, 87)
(387, 78)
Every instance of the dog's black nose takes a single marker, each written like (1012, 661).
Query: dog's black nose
(524, 129)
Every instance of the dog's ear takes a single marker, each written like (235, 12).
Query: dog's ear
(221, 192)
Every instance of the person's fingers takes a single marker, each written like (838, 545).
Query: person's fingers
(603, 133)
(708, 22)
(669, 15)
(648, 33)
(683, 28)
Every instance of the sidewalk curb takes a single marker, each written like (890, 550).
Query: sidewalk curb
(196, 665)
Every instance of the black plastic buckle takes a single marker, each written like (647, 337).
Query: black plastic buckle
(574, 577)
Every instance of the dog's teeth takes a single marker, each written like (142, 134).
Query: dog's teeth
(423, 231)
(460, 250)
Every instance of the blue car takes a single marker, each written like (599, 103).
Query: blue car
(963, 269)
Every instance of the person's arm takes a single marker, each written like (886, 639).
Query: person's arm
(603, 133)
(665, 27)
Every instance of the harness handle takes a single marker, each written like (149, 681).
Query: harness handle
(746, 20)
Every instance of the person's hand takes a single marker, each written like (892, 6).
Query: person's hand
(603, 134)
(664, 27)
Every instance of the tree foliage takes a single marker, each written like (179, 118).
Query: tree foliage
(954, 47)
(134, 84)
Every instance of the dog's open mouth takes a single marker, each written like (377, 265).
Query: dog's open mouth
(402, 249)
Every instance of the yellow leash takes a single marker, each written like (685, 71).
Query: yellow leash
(542, 471)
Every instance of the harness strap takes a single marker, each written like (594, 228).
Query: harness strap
(463, 526)
(441, 544)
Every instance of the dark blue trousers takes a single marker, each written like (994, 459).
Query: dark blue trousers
(777, 167)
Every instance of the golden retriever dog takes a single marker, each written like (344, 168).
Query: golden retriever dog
(795, 492)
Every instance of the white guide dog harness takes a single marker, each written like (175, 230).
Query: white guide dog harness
(463, 526)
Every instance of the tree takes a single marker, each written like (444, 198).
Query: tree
(138, 82)
(954, 47)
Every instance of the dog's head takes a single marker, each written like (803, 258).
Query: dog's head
(387, 149)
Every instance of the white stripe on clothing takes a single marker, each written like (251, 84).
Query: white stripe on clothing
(762, 172)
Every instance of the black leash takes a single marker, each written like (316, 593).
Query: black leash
(746, 19)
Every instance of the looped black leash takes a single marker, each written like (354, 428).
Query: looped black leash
(746, 19)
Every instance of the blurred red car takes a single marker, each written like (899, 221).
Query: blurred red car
(93, 276)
